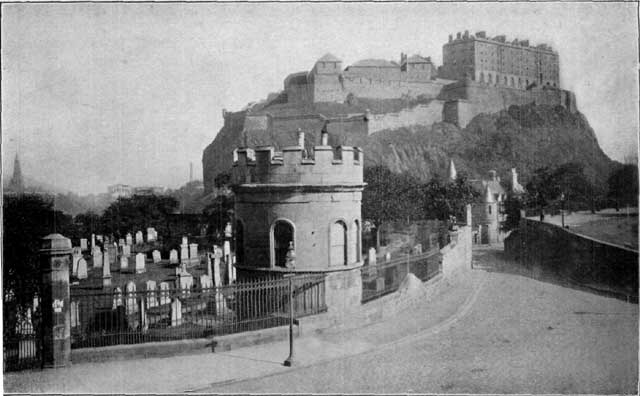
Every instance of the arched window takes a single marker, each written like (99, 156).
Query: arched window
(282, 233)
(506, 81)
(239, 248)
(338, 241)
(490, 79)
(513, 82)
(519, 83)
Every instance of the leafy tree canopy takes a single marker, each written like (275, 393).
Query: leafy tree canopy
(137, 213)
(623, 185)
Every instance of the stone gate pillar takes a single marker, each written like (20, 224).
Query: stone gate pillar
(56, 314)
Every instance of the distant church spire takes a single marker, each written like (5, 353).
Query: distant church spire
(451, 172)
(17, 183)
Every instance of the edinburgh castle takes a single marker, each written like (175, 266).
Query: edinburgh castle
(479, 75)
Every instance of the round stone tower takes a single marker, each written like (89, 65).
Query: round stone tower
(303, 205)
(308, 201)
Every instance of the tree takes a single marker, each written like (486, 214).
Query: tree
(441, 200)
(547, 187)
(27, 219)
(139, 212)
(623, 186)
(389, 196)
(222, 179)
(512, 207)
(219, 212)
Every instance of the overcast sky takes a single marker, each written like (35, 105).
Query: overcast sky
(98, 94)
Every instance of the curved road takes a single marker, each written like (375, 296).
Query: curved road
(519, 335)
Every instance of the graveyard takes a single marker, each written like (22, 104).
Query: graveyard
(124, 291)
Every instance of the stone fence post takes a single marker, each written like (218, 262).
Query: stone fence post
(56, 315)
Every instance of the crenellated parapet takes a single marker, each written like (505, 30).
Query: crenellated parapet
(325, 165)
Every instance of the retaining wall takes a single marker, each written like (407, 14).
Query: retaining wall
(576, 258)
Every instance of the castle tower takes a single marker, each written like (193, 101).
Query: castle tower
(326, 80)
(313, 204)
(486, 217)
(516, 188)
(17, 183)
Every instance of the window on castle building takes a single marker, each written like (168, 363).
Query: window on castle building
(282, 235)
(338, 254)
(490, 78)
(481, 77)
(489, 207)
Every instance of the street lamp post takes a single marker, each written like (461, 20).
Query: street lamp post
(290, 264)
(289, 361)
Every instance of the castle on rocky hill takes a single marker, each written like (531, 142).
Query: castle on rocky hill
(478, 75)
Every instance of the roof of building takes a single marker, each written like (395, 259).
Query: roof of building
(297, 78)
(328, 57)
(417, 59)
(374, 63)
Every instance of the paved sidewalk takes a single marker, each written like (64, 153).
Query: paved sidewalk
(193, 373)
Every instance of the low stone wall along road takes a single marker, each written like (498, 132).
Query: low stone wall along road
(519, 335)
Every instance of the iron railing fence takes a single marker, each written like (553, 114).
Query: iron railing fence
(21, 336)
(132, 317)
(385, 277)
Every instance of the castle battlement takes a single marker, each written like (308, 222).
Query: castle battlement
(325, 165)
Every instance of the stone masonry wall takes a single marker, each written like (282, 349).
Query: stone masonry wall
(419, 115)
(456, 256)
(577, 258)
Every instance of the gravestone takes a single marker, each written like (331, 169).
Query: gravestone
(131, 301)
(126, 250)
(152, 299)
(209, 266)
(93, 240)
(217, 279)
(124, 263)
(176, 312)
(106, 259)
(121, 242)
(185, 240)
(97, 257)
(129, 239)
(226, 249)
(82, 269)
(205, 282)
(140, 263)
(156, 256)
(173, 257)
(372, 256)
(417, 249)
(74, 262)
(387, 256)
(151, 234)
(75, 314)
(112, 249)
(83, 244)
(117, 298)
(139, 240)
(106, 275)
(228, 231)
(184, 253)
(100, 238)
(165, 297)
(193, 251)
(185, 282)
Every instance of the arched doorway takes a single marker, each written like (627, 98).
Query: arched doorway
(338, 240)
(282, 234)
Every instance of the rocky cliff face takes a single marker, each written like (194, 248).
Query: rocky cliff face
(525, 137)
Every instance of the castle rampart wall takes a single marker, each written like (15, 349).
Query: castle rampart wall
(262, 166)
(420, 115)
(464, 100)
